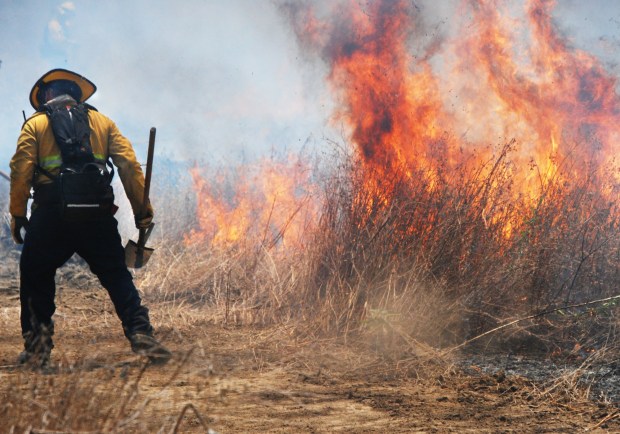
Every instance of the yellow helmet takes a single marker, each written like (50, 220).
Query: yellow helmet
(80, 88)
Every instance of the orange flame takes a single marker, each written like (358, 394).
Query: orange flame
(486, 84)
(271, 201)
(433, 107)
(562, 99)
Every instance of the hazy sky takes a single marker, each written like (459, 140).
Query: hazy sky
(218, 78)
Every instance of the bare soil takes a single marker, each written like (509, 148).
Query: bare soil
(251, 379)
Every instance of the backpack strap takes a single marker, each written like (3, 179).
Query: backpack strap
(109, 163)
(39, 169)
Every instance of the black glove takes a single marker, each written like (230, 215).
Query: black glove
(17, 223)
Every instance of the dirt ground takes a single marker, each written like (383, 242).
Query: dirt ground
(249, 379)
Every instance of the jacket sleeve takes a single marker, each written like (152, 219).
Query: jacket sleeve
(129, 170)
(22, 170)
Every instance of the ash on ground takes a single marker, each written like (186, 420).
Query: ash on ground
(600, 381)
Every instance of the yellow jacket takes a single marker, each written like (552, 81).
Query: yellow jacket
(36, 145)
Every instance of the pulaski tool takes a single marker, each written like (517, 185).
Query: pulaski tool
(137, 254)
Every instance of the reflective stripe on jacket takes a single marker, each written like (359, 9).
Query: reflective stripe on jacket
(36, 145)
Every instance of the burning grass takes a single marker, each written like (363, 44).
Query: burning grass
(416, 258)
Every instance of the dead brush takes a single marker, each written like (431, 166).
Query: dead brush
(106, 399)
(402, 241)
(448, 253)
(238, 285)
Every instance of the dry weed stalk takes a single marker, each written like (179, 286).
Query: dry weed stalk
(448, 254)
(107, 399)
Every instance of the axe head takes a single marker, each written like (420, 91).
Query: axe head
(137, 256)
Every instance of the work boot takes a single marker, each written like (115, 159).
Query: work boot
(39, 360)
(147, 345)
(37, 350)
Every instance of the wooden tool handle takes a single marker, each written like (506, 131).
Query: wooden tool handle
(149, 169)
(147, 184)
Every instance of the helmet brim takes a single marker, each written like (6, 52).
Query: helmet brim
(87, 87)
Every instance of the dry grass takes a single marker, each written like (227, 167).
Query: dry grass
(424, 255)
(88, 393)
(397, 265)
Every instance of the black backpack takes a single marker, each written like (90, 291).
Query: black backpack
(83, 185)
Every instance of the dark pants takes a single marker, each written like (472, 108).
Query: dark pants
(48, 244)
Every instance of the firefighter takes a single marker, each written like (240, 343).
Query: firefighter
(50, 240)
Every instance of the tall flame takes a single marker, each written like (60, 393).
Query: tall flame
(431, 105)
(483, 85)
(564, 100)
